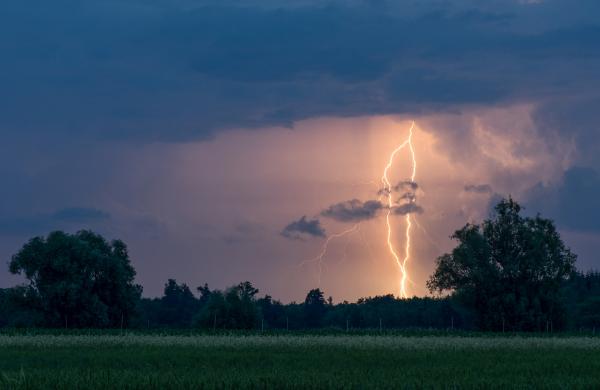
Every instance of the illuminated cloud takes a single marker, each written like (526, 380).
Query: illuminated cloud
(408, 208)
(406, 184)
(409, 197)
(146, 112)
(303, 227)
(353, 210)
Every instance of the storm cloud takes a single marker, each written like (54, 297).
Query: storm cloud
(105, 103)
(353, 210)
(213, 65)
(406, 184)
(407, 208)
(303, 227)
(572, 201)
(78, 217)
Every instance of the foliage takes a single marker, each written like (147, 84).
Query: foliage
(72, 276)
(235, 308)
(509, 270)
(581, 294)
(314, 308)
(77, 280)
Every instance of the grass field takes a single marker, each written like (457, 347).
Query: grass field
(307, 361)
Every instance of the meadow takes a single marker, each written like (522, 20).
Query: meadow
(111, 360)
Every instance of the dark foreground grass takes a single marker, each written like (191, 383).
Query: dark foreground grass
(307, 362)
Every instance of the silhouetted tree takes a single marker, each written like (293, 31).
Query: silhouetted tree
(273, 312)
(314, 308)
(204, 293)
(214, 313)
(235, 308)
(581, 296)
(177, 306)
(242, 308)
(19, 308)
(509, 270)
(78, 280)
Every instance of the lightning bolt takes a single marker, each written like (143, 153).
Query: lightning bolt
(387, 191)
(387, 186)
(319, 258)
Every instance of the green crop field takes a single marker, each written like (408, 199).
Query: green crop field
(297, 361)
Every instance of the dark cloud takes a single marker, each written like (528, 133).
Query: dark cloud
(353, 210)
(572, 202)
(180, 70)
(401, 186)
(77, 74)
(298, 229)
(478, 188)
(409, 197)
(407, 208)
(78, 217)
(406, 184)
(575, 118)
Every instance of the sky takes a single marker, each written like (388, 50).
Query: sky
(230, 140)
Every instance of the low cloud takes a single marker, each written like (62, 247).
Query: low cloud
(303, 227)
(406, 184)
(353, 210)
(408, 197)
(79, 217)
(408, 208)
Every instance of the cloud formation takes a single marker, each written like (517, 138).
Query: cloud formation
(353, 210)
(572, 201)
(282, 63)
(78, 217)
(407, 208)
(112, 78)
(303, 227)
(406, 185)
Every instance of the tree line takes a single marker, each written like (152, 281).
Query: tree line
(509, 273)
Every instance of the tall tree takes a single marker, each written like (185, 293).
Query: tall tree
(177, 306)
(243, 310)
(236, 308)
(314, 308)
(78, 280)
(509, 270)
